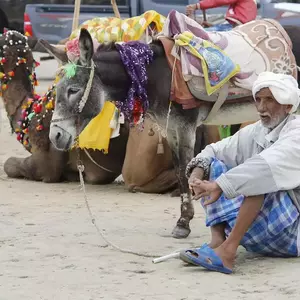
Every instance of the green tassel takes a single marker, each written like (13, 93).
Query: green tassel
(70, 70)
(30, 116)
(224, 131)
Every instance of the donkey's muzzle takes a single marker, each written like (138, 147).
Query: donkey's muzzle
(60, 138)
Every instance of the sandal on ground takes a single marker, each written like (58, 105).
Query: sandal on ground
(208, 259)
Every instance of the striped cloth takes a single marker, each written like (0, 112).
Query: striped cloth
(220, 27)
(274, 231)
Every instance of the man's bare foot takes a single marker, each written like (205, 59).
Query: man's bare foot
(227, 256)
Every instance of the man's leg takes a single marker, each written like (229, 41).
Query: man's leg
(248, 212)
(217, 235)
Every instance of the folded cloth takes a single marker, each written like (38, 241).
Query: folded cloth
(97, 134)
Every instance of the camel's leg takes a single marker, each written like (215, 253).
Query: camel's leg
(46, 166)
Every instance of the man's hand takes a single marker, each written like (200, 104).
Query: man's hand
(197, 174)
(206, 189)
(190, 9)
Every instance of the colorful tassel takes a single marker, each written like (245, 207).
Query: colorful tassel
(70, 70)
(39, 127)
(49, 105)
(11, 73)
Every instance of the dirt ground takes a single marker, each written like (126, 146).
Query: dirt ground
(49, 249)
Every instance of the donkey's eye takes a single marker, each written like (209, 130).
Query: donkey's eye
(72, 91)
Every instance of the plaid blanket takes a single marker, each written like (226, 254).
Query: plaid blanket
(110, 29)
(275, 230)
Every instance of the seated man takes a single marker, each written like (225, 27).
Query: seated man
(239, 12)
(252, 197)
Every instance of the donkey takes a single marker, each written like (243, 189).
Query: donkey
(45, 163)
(49, 165)
(111, 77)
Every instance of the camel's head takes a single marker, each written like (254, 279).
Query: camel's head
(16, 58)
(14, 48)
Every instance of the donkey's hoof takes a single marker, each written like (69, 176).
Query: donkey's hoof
(180, 232)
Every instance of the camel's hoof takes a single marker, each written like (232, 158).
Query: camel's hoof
(180, 232)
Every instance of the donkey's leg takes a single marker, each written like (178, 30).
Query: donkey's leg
(185, 149)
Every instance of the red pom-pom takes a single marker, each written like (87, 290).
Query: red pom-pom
(39, 127)
(37, 108)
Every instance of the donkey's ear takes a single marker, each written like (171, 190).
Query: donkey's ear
(32, 41)
(86, 47)
(57, 51)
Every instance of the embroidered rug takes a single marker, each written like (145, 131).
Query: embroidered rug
(260, 45)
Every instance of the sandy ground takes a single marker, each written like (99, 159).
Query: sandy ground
(49, 249)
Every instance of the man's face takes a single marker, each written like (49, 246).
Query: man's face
(270, 111)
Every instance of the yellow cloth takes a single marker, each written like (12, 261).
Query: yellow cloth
(96, 135)
(113, 29)
(214, 61)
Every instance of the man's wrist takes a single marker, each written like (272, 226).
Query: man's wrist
(198, 6)
(198, 173)
(199, 162)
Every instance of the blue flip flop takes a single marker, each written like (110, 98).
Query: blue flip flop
(185, 255)
(210, 260)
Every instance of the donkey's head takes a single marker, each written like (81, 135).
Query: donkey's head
(79, 93)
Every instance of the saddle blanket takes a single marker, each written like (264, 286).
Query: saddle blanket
(112, 29)
(257, 46)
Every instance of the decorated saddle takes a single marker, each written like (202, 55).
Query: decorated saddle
(209, 60)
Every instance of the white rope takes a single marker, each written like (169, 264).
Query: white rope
(92, 160)
(81, 170)
(156, 127)
(87, 89)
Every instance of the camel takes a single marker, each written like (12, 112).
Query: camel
(112, 77)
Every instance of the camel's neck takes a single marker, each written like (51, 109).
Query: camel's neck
(15, 96)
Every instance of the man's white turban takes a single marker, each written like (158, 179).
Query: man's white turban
(283, 87)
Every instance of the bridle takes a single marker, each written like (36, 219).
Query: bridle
(79, 110)
(84, 98)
